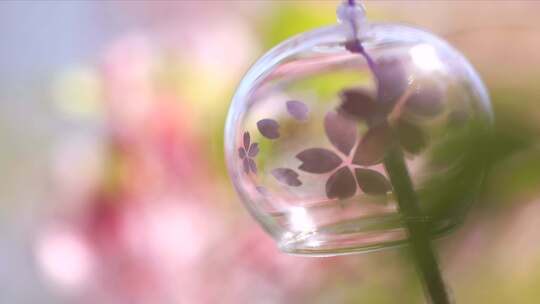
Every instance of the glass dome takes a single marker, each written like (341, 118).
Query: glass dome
(311, 124)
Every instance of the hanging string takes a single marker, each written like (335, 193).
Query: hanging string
(356, 46)
(396, 167)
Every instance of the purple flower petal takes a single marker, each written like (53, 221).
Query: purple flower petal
(252, 165)
(341, 184)
(245, 162)
(372, 182)
(298, 110)
(318, 160)
(269, 128)
(287, 176)
(357, 103)
(247, 140)
(373, 146)
(426, 101)
(341, 132)
(262, 190)
(253, 150)
(241, 153)
(392, 80)
(411, 137)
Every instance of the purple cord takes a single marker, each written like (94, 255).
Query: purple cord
(395, 166)
(360, 48)
(368, 58)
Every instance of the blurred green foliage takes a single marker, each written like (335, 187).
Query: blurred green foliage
(293, 18)
(481, 153)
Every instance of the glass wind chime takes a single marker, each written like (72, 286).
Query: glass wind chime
(340, 140)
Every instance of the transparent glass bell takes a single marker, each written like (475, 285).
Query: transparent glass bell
(313, 120)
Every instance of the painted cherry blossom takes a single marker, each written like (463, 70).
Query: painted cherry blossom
(247, 152)
(385, 114)
(346, 174)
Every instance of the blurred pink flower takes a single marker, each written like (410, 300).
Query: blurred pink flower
(152, 220)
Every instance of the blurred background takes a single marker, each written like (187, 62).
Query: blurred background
(113, 186)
